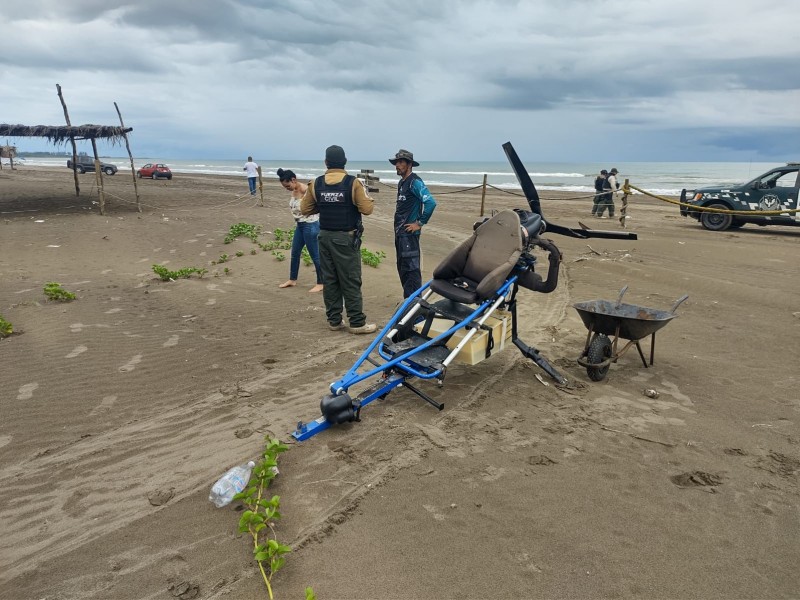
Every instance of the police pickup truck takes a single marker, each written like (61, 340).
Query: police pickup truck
(774, 191)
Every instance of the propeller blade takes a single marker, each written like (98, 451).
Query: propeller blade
(524, 179)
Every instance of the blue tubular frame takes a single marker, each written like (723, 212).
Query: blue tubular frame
(352, 376)
(405, 371)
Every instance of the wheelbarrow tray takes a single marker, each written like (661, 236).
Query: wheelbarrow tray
(634, 322)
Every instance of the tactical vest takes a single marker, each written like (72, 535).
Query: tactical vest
(406, 202)
(335, 204)
(599, 184)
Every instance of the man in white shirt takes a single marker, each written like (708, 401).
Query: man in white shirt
(251, 169)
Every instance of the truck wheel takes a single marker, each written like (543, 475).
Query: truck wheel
(139, 174)
(599, 351)
(108, 171)
(80, 169)
(714, 221)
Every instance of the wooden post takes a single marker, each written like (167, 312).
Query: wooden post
(72, 139)
(625, 191)
(260, 186)
(133, 168)
(98, 176)
(483, 194)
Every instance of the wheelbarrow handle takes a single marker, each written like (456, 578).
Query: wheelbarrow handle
(678, 302)
(621, 294)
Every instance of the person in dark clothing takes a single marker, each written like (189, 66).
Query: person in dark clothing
(415, 205)
(610, 186)
(599, 184)
(340, 199)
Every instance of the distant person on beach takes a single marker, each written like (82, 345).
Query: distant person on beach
(251, 169)
(415, 205)
(340, 200)
(610, 187)
(306, 230)
(599, 184)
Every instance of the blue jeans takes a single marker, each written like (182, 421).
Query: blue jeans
(251, 181)
(305, 234)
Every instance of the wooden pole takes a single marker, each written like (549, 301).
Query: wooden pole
(260, 187)
(133, 169)
(623, 211)
(483, 194)
(72, 139)
(98, 176)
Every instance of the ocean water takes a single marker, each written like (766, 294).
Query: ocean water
(666, 178)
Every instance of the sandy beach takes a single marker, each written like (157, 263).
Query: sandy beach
(120, 409)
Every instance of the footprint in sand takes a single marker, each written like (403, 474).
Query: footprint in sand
(77, 351)
(5, 440)
(131, 365)
(172, 341)
(113, 310)
(211, 302)
(76, 327)
(105, 271)
(189, 241)
(203, 253)
(213, 287)
(26, 391)
(436, 514)
(104, 405)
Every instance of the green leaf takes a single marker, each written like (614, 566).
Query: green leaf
(310, 595)
(261, 556)
(276, 564)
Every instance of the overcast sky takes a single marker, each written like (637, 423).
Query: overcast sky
(564, 80)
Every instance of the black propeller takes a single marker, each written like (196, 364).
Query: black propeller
(536, 206)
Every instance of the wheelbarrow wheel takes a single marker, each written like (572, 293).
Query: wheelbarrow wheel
(599, 351)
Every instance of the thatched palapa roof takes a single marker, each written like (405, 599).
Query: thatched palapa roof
(62, 133)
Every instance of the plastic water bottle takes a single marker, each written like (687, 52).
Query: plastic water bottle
(230, 484)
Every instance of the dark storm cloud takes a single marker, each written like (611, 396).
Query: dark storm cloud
(442, 72)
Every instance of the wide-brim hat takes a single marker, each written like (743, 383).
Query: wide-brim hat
(404, 155)
(614, 171)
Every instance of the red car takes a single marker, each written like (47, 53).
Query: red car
(155, 171)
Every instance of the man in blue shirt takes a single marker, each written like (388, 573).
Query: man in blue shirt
(415, 205)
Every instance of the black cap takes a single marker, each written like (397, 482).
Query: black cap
(603, 172)
(334, 156)
(614, 171)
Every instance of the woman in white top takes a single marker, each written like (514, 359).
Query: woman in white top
(305, 233)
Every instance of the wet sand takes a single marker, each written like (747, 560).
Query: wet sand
(120, 409)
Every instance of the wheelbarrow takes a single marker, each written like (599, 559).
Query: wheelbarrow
(608, 322)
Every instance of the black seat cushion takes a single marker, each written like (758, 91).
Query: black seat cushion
(476, 269)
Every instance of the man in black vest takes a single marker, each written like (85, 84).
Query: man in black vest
(599, 186)
(415, 205)
(340, 199)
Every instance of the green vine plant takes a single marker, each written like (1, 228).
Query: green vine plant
(166, 275)
(54, 291)
(372, 259)
(261, 515)
(306, 257)
(6, 329)
(243, 230)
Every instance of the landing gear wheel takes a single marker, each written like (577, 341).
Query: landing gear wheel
(714, 221)
(599, 351)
